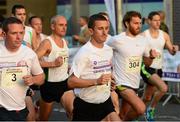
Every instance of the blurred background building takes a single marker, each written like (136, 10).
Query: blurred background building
(73, 9)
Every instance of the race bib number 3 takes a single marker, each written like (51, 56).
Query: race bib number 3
(13, 76)
(133, 64)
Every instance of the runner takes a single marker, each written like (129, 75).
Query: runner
(19, 68)
(91, 76)
(128, 49)
(36, 23)
(156, 87)
(56, 66)
(19, 12)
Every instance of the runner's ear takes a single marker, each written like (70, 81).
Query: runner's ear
(52, 26)
(4, 33)
(91, 31)
(127, 24)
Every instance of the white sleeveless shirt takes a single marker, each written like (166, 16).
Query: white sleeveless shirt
(28, 35)
(57, 74)
(157, 44)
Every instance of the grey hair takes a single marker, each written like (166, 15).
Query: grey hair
(54, 19)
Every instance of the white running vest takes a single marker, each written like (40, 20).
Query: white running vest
(57, 74)
(28, 35)
(157, 44)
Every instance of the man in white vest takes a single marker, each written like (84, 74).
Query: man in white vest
(55, 50)
(156, 87)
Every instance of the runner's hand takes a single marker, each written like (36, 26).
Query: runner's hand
(59, 61)
(154, 53)
(104, 79)
(28, 80)
(175, 48)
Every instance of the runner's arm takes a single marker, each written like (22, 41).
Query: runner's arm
(168, 44)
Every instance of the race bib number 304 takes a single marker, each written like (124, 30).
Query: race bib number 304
(12, 76)
(133, 64)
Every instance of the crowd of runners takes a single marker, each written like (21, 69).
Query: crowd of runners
(102, 82)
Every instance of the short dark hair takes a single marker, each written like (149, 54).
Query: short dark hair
(104, 13)
(31, 18)
(128, 16)
(152, 14)
(94, 18)
(10, 20)
(17, 6)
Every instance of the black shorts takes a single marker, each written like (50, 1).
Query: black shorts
(29, 92)
(53, 91)
(6, 115)
(121, 88)
(147, 72)
(84, 111)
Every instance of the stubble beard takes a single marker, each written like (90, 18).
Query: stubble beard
(134, 32)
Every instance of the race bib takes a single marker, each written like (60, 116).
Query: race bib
(133, 64)
(12, 76)
(64, 55)
(158, 58)
(105, 87)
